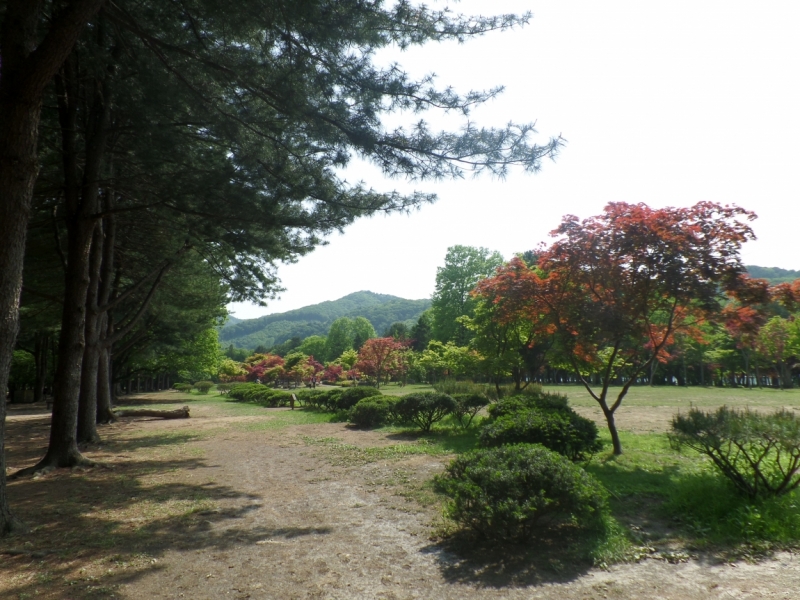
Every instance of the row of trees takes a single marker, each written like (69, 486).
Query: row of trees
(143, 140)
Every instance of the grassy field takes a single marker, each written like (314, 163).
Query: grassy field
(684, 397)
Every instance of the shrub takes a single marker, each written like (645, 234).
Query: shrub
(467, 407)
(424, 409)
(349, 398)
(759, 454)
(520, 402)
(313, 398)
(562, 431)
(508, 493)
(224, 388)
(183, 387)
(321, 399)
(203, 386)
(372, 412)
(259, 394)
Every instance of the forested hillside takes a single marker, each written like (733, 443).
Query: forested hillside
(772, 274)
(380, 309)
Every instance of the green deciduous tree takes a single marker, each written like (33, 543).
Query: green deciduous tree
(464, 267)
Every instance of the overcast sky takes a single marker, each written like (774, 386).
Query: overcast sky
(667, 103)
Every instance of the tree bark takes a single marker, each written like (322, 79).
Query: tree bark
(40, 357)
(87, 402)
(104, 380)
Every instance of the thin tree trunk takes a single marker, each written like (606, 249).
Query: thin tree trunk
(104, 396)
(40, 356)
(87, 403)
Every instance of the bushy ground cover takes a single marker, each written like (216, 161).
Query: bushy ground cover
(657, 496)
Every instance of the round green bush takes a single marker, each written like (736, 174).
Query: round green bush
(350, 397)
(372, 412)
(508, 493)
(468, 406)
(521, 402)
(424, 409)
(203, 386)
(564, 432)
(224, 388)
(182, 387)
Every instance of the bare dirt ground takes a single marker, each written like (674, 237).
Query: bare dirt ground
(228, 504)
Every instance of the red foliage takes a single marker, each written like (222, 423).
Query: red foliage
(268, 367)
(380, 356)
(332, 373)
(628, 280)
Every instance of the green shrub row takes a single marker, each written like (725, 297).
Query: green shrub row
(259, 394)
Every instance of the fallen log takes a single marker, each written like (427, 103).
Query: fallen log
(179, 413)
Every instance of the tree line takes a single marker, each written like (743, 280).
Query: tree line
(157, 157)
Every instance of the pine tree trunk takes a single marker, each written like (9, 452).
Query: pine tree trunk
(104, 381)
(87, 401)
(40, 356)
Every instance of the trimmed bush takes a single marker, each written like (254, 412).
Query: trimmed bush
(562, 431)
(224, 388)
(467, 407)
(759, 454)
(521, 402)
(310, 397)
(508, 493)
(183, 387)
(350, 397)
(203, 386)
(372, 412)
(424, 409)
(259, 394)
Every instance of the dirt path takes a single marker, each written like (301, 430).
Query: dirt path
(281, 513)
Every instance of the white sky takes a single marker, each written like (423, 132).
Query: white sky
(667, 103)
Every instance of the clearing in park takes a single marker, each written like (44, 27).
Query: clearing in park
(242, 501)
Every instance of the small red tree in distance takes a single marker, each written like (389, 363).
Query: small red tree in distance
(378, 356)
(265, 367)
(618, 286)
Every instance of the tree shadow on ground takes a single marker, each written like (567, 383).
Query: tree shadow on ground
(553, 556)
(127, 514)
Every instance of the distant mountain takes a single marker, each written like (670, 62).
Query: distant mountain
(772, 274)
(380, 309)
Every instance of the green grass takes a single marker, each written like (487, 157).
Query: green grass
(684, 397)
(396, 390)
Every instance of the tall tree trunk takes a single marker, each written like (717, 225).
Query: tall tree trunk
(87, 402)
(104, 380)
(40, 356)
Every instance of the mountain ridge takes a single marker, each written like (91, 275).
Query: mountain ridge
(380, 309)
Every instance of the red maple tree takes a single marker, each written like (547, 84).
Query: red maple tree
(618, 286)
(380, 356)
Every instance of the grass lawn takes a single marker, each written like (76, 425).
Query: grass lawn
(684, 397)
